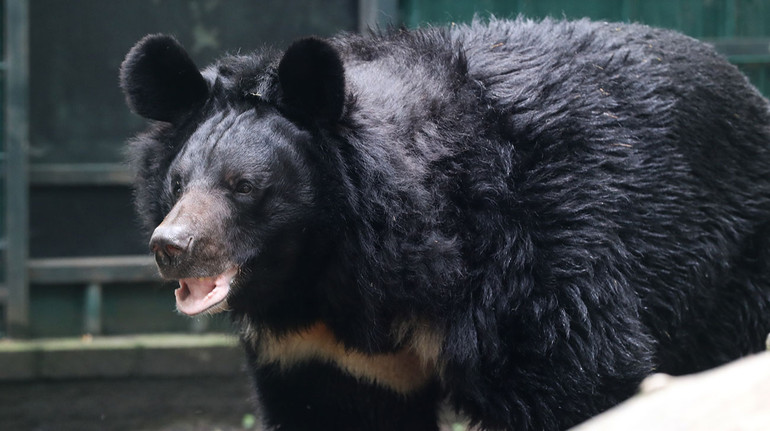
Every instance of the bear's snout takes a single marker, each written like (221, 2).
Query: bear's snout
(170, 243)
(189, 242)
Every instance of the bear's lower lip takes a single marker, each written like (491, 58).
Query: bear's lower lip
(207, 294)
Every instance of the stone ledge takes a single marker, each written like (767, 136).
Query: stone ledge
(163, 355)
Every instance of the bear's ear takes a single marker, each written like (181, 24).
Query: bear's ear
(312, 79)
(159, 79)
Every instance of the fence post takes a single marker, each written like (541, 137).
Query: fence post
(16, 165)
(92, 309)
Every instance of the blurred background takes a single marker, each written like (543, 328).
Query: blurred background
(74, 261)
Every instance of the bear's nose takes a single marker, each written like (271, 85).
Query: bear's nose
(169, 242)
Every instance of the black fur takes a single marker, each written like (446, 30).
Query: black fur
(312, 78)
(160, 80)
(320, 397)
(570, 206)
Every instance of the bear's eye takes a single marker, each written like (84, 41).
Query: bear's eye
(244, 187)
(177, 190)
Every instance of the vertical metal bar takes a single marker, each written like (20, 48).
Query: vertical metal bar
(625, 11)
(731, 10)
(367, 15)
(16, 164)
(373, 14)
(92, 309)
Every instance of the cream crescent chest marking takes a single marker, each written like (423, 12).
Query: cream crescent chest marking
(403, 371)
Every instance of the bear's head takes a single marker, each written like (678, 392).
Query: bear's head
(229, 176)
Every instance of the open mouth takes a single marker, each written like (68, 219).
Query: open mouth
(205, 294)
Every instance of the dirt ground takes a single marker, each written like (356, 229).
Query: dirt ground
(149, 404)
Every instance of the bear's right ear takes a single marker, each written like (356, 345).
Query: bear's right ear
(160, 81)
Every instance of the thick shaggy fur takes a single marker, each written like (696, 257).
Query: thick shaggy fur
(532, 216)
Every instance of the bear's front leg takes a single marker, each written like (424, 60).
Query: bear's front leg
(317, 396)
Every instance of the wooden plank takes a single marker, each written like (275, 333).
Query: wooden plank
(81, 174)
(759, 46)
(111, 269)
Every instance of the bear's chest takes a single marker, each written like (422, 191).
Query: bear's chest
(403, 371)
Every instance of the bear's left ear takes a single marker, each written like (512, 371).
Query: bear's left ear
(160, 80)
(312, 79)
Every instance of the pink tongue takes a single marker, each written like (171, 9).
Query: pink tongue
(196, 295)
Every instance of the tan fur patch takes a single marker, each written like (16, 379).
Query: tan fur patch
(422, 339)
(404, 371)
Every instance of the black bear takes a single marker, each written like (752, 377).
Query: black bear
(518, 220)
